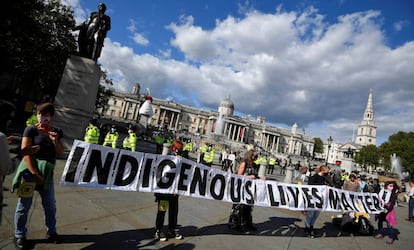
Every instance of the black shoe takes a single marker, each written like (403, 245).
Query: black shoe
(53, 238)
(20, 243)
(315, 234)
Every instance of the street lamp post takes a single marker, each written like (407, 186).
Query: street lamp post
(330, 140)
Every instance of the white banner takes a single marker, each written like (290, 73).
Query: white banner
(96, 166)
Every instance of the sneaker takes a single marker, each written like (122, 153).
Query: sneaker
(53, 238)
(176, 235)
(379, 236)
(20, 243)
(162, 236)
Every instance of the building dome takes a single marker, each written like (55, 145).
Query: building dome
(226, 106)
(227, 103)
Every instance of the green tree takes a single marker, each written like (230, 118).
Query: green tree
(318, 147)
(401, 144)
(104, 92)
(368, 156)
(36, 40)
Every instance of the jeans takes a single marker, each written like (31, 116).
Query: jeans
(392, 233)
(311, 217)
(410, 208)
(24, 204)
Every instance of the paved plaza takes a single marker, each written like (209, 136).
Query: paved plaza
(104, 219)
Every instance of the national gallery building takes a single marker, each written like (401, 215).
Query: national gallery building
(234, 130)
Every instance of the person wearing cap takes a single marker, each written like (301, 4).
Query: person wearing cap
(92, 132)
(111, 137)
(130, 142)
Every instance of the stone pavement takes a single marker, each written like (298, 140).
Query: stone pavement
(104, 219)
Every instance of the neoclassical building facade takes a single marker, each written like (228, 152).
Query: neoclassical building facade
(237, 131)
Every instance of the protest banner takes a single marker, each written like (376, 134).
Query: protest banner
(96, 166)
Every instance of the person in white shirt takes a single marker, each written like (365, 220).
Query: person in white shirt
(411, 202)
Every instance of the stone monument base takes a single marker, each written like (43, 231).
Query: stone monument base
(76, 97)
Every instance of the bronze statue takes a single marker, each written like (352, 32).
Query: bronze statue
(92, 33)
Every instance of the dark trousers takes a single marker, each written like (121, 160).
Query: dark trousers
(392, 233)
(172, 214)
(270, 169)
(246, 215)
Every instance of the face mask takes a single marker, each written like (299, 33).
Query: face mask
(112, 130)
(43, 119)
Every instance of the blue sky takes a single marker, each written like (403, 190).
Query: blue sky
(309, 62)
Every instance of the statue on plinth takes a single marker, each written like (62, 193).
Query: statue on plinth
(92, 33)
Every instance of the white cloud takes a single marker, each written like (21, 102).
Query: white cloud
(287, 66)
(140, 39)
(398, 26)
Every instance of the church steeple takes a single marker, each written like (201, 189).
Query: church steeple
(369, 111)
(367, 130)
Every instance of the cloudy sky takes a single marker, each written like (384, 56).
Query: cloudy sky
(309, 62)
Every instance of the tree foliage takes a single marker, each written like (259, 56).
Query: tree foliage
(318, 147)
(368, 156)
(401, 144)
(36, 40)
(104, 92)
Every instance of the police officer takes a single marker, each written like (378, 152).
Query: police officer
(130, 142)
(92, 132)
(111, 137)
(209, 156)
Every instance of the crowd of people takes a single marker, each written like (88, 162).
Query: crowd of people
(42, 143)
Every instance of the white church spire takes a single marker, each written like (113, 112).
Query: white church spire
(369, 111)
(367, 130)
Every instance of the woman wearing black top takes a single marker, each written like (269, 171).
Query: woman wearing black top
(320, 178)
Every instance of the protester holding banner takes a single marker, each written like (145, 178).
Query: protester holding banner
(320, 178)
(243, 221)
(38, 169)
(168, 202)
(388, 197)
(351, 184)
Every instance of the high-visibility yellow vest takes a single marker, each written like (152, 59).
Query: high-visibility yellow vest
(32, 120)
(272, 161)
(91, 134)
(188, 147)
(260, 160)
(111, 139)
(209, 156)
(130, 142)
(203, 149)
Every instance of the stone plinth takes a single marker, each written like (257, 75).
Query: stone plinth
(76, 97)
